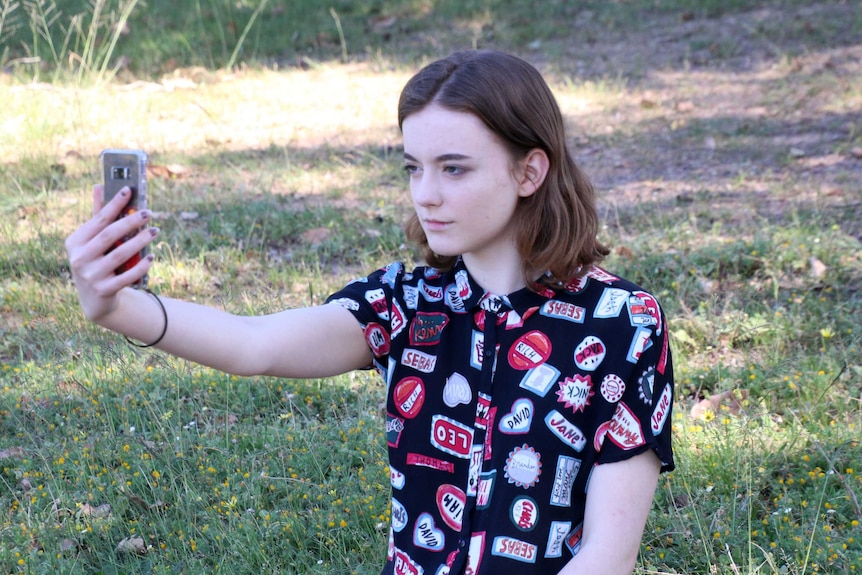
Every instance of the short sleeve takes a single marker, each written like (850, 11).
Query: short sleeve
(642, 419)
(370, 301)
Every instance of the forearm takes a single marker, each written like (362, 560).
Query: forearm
(318, 341)
(200, 334)
(619, 497)
(592, 561)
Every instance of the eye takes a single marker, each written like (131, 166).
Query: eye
(453, 170)
(411, 169)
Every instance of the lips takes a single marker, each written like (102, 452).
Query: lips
(434, 225)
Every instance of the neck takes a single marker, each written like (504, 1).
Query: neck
(498, 277)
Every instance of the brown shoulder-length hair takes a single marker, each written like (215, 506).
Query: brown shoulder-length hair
(556, 227)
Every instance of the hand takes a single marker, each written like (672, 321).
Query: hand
(94, 263)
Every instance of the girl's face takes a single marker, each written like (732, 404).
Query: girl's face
(464, 184)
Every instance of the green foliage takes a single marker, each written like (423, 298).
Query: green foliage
(96, 39)
(101, 444)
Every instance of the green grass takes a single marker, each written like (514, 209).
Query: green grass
(287, 183)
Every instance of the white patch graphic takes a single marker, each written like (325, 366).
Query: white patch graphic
(426, 534)
(640, 343)
(566, 431)
(662, 409)
(523, 466)
(575, 393)
(457, 390)
(519, 419)
(624, 429)
(399, 516)
(611, 303)
(613, 388)
(540, 379)
(564, 479)
(557, 538)
(514, 549)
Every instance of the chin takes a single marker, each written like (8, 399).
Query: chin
(445, 251)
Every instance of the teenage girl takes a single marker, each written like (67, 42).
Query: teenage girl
(529, 391)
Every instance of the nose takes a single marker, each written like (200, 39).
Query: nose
(425, 190)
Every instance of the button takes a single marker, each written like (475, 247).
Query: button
(462, 543)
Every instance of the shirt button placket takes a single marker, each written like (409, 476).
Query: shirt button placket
(485, 386)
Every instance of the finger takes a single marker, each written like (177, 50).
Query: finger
(98, 198)
(103, 216)
(122, 250)
(134, 273)
(104, 240)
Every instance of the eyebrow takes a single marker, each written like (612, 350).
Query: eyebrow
(441, 158)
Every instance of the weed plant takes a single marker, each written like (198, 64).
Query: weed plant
(273, 189)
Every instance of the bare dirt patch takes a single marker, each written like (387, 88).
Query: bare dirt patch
(749, 115)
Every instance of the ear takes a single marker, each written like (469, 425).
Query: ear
(534, 170)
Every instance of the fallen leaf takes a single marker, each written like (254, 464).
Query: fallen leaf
(134, 545)
(188, 216)
(381, 25)
(99, 511)
(818, 268)
(315, 236)
(11, 452)
(797, 153)
(714, 403)
(170, 171)
(625, 252)
(229, 419)
(138, 501)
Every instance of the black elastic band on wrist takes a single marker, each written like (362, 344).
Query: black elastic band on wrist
(164, 329)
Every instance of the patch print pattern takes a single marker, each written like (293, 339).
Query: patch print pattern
(498, 408)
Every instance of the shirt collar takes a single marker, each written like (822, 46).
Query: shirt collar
(477, 296)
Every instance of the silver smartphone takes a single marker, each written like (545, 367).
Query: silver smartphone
(121, 168)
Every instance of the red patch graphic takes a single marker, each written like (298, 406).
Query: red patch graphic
(601, 275)
(404, 565)
(409, 395)
(432, 462)
(377, 338)
(590, 353)
(525, 513)
(451, 437)
(451, 502)
(624, 429)
(530, 350)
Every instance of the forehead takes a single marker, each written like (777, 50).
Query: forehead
(435, 130)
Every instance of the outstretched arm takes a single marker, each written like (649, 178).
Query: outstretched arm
(619, 498)
(307, 342)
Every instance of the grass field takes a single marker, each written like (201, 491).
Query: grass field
(725, 139)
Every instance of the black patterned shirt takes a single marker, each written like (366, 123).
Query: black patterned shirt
(499, 407)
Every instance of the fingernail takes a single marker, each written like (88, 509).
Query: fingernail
(145, 214)
(125, 191)
(154, 231)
